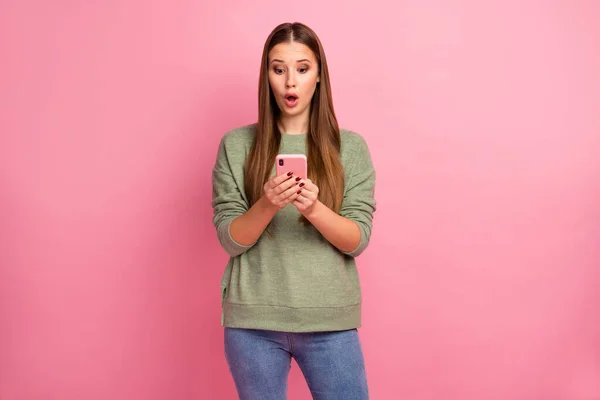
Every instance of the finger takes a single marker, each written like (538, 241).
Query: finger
(285, 185)
(289, 193)
(281, 187)
(290, 199)
(309, 185)
(302, 198)
(278, 180)
(307, 195)
(299, 204)
(310, 191)
(303, 185)
(293, 198)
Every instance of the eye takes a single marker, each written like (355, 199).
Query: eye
(278, 71)
(303, 70)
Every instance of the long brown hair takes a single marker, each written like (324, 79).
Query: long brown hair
(323, 140)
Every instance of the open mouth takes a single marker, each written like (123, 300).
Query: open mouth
(291, 100)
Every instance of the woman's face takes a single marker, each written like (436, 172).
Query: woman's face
(293, 75)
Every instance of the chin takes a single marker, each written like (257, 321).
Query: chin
(293, 112)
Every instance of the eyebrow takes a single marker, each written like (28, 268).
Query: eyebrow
(298, 61)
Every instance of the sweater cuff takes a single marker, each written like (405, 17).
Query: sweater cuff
(362, 244)
(232, 247)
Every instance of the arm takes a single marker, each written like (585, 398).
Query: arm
(350, 231)
(279, 191)
(341, 232)
(228, 204)
(238, 226)
(247, 228)
(228, 201)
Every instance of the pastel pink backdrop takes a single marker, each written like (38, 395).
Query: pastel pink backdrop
(481, 281)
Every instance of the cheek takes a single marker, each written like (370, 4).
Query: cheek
(273, 82)
(309, 89)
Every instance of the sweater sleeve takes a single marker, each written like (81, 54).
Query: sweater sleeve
(227, 202)
(359, 202)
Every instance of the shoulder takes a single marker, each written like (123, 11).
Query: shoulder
(241, 135)
(235, 145)
(352, 142)
(237, 141)
(355, 154)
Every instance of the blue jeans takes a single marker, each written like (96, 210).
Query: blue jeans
(332, 363)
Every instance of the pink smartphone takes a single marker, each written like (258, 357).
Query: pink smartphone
(297, 163)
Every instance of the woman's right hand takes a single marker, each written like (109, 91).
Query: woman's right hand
(282, 190)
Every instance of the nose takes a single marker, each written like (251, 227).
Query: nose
(291, 80)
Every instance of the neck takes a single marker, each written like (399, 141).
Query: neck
(295, 125)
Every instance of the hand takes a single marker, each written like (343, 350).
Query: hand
(281, 190)
(307, 199)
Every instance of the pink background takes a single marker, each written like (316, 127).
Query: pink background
(482, 279)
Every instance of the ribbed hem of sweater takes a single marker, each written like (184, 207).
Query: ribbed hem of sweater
(287, 319)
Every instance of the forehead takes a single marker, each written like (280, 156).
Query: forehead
(291, 51)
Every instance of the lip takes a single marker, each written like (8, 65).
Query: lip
(294, 95)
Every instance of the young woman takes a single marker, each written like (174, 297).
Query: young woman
(291, 286)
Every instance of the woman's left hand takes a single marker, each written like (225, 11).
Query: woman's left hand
(308, 196)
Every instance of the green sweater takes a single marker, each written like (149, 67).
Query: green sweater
(294, 281)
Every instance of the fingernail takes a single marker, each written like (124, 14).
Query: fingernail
(299, 191)
(298, 178)
(290, 173)
(302, 184)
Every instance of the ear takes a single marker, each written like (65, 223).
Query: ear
(318, 79)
